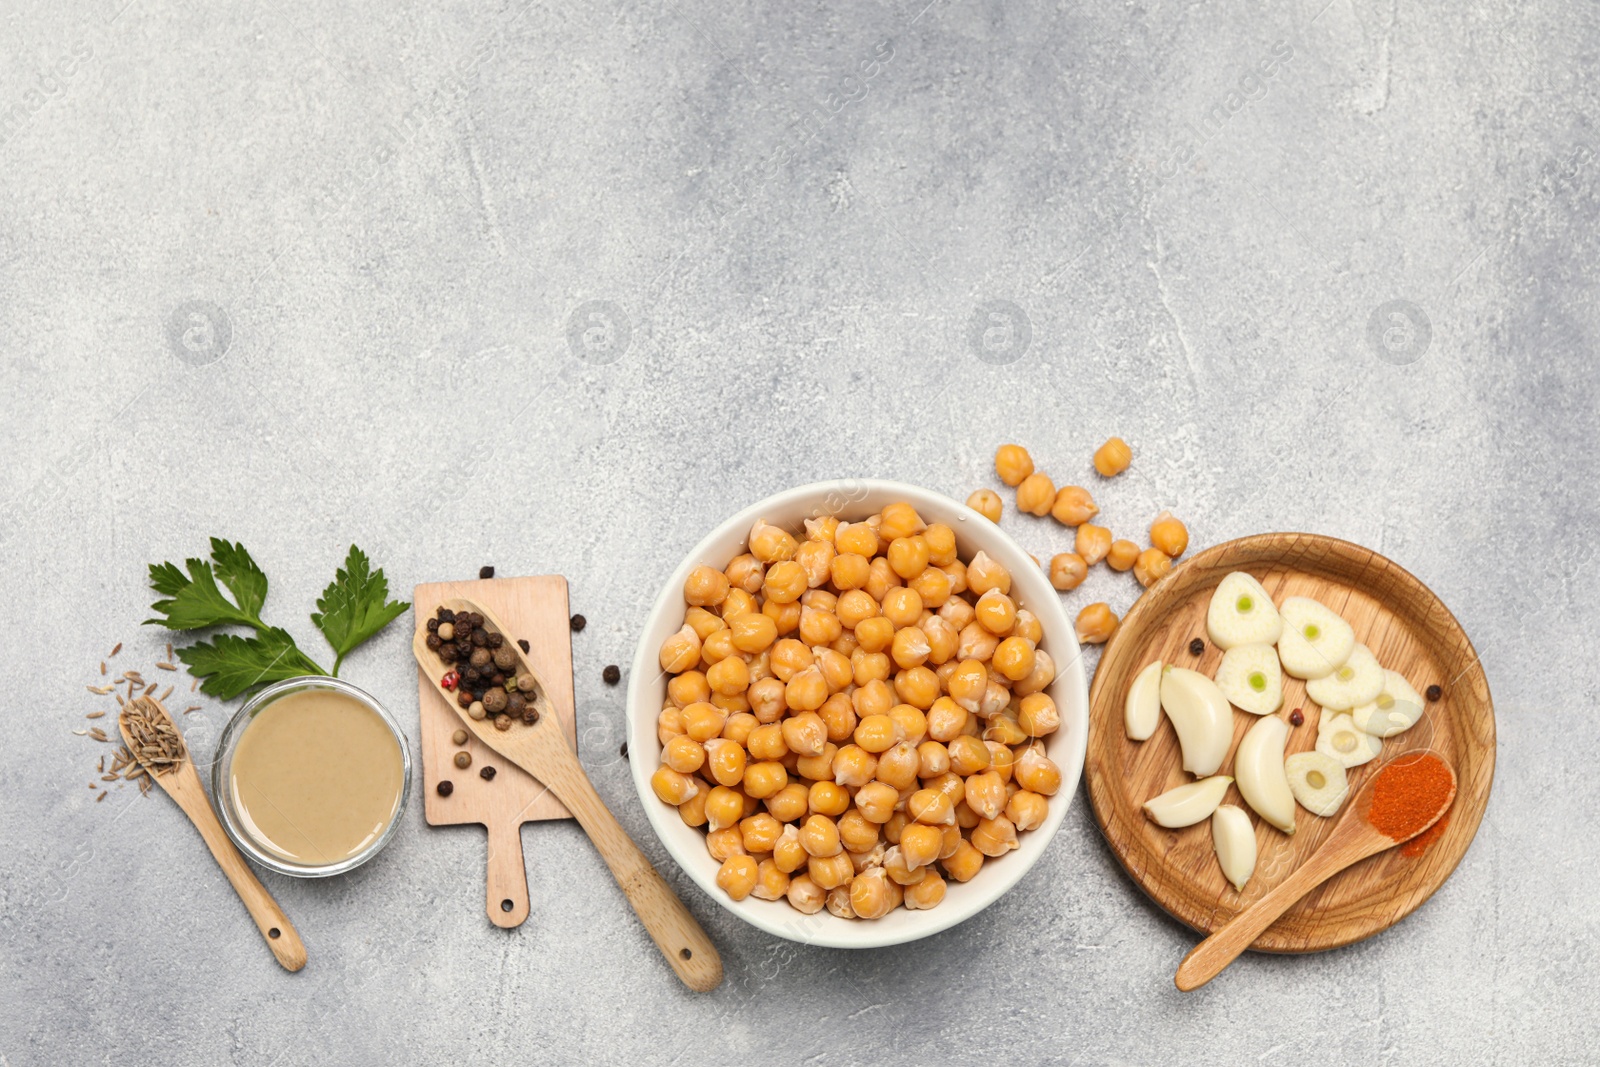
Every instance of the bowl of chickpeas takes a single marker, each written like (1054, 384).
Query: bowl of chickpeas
(857, 714)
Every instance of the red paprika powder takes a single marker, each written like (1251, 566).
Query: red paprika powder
(1408, 792)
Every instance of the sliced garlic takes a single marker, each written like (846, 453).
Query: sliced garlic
(1241, 613)
(1250, 677)
(1142, 712)
(1234, 839)
(1397, 708)
(1315, 641)
(1317, 781)
(1186, 805)
(1200, 715)
(1357, 681)
(1342, 739)
(1258, 764)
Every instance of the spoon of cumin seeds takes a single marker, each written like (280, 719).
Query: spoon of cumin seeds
(155, 742)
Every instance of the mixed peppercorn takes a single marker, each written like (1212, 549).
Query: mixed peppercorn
(483, 669)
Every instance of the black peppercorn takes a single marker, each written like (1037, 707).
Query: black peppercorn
(623, 751)
(487, 774)
(477, 619)
(612, 674)
(498, 680)
(1434, 693)
(578, 622)
(464, 697)
(433, 626)
(444, 789)
(522, 644)
(434, 642)
(496, 640)
(463, 648)
(446, 615)
(1296, 717)
(480, 638)
(530, 714)
(448, 653)
(1196, 647)
(485, 572)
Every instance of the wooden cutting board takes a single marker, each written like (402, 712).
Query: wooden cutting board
(1410, 631)
(535, 609)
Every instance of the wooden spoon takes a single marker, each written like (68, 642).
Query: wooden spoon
(542, 750)
(1353, 838)
(182, 783)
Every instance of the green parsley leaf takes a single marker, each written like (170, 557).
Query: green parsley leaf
(236, 570)
(355, 606)
(233, 665)
(194, 602)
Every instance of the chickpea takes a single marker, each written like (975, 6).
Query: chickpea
(820, 837)
(941, 541)
(816, 559)
(994, 837)
(693, 810)
(785, 616)
(673, 788)
(910, 647)
(908, 556)
(957, 612)
(771, 883)
(985, 794)
(1096, 623)
(725, 761)
(968, 755)
(806, 733)
(1027, 810)
(669, 724)
(681, 651)
(996, 612)
(704, 622)
(874, 698)
(1074, 506)
(839, 716)
(826, 798)
(1002, 760)
(819, 767)
(928, 893)
(729, 676)
(854, 766)
(683, 754)
(1013, 658)
(856, 832)
(933, 586)
(834, 667)
(1122, 555)
(867, 667)
(767, 742)
(737, 603)
(952, 841)
(876, 801)
(705, 585)
(913, 722)
(957, 572)
(1012, 464)
(785, 582)
(737, 876)
(1067, 571)
(745, 573)
(947, 718)
(995, 698)
(917, 686)
(855, 607)
(822, 528)
(897, 767)
(771, 544)
(897, 862)
(1093, 543)
(804, 895)
(764, 779)
(738, 727)
(724, 843)
(703, 721)
(688, 688)
(1037, 715)
(724, 807)
(964, 863)
(818, 627)
(1169, 535)
(877, 733)
(1152, 566)
(875, 633)
(830, 872)
(1113, 457)
(788, 658)
(966, 818)
(752, 632)
(849, 571)
(931, 807)
(790, 802)
(1004, 730)
(986, 502)
(985, 573)
(901, 606)
(1043, 673)
(856, 539)
(1036, 772)
(806, 691)
(899, 520)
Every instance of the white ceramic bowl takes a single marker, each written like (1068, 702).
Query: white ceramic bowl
(854, 500)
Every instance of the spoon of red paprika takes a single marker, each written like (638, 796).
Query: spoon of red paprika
(1406, 797)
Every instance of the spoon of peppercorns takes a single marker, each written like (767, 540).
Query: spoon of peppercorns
(466, 653)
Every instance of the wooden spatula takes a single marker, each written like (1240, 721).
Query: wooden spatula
(1354, 838)
(175, 773)
(542, 750)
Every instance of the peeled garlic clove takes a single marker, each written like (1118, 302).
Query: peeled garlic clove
(1315, 640)
(1259, 767)
(1317, 781)
(1397, 708)
(1250, 677)
(1201, 716)
(1186, 805)
(1234, 840)
(1241, 613)
(1343, 740)
(1142, 713)
(1357, 681)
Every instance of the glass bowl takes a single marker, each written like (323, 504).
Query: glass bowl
(233, 820)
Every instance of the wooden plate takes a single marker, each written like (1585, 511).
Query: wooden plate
(1408, 629)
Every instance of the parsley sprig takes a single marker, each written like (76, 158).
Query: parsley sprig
(353, 608)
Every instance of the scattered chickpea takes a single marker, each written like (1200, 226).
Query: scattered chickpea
(1036, 495)
(1013, 464)
(1113, 457)
(1096, 623)
(1152, 566)
(1169, 535)
(1122, 555)
(1093, 543)
(1067, 571)
(1073, 506)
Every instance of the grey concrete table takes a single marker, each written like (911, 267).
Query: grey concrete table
(558, 286)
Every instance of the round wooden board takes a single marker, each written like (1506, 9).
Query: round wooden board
(1408, 629)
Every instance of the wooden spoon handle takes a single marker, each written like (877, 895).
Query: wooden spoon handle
(675, 931)
(274, 925)
(1207, 959)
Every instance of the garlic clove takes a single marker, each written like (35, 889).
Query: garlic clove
(1249, 676)
(1317, 781)
(1341, 738)
(1315, 640)
(1357, 681)
(1258, 764)
(1186, 805)
(1200, 714)
(1242, 613)
(1234, 840)
(1397, 708)
(1142, 712)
